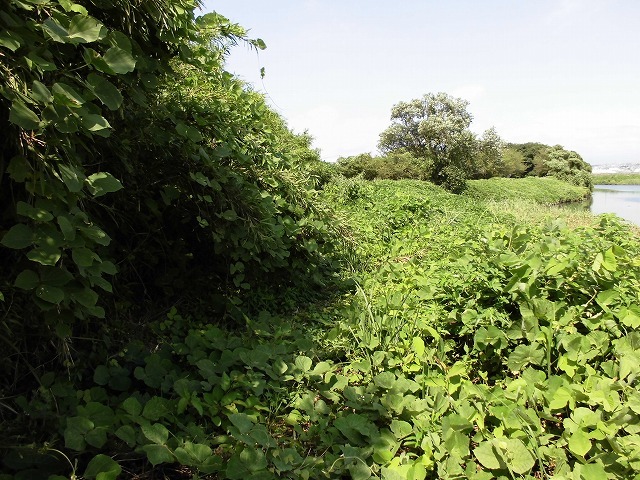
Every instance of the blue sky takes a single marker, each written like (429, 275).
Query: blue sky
(554, 71)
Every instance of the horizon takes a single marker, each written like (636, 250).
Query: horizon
(554, 72)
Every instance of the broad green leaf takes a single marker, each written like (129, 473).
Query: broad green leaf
(67, 95)
(579, 443)
(106, 91)
(45, 255)
(27, 280)
(610, 262)
(34, 213)
(518, 456)
(102, 467)
(108, 267)
(40, 63)
(132, 406)
(83, 257)
(155, 408)
(193, 454)
(597, 263)
(119, 60)
(157, 433)
(71, 6)
(242, 422)
(320, 368)
(158, 454)
(248, 464)
(356, 428)
(55, 31)
(40, 92)
(96, 234)
(189, 132)
(66, 228)
(560, 398)
(303, 363)
(50, 294)
(127, 434)
(72, 177)
(101, 375)
(385, 380)
(19, 236)
(75, 431)
(85, 29)
(524, 355)
(55, 276)
(10, 40)
(489, 456)
(418, 346)
(593, 471)
(86, 297)
(401, 428)
(22, 116)
(229, 215)
(103, 183)
(96, 124)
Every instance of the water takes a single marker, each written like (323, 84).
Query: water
(623, 200)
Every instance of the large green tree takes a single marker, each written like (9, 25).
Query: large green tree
(434, 127)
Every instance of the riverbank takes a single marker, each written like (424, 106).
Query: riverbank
(616, 178)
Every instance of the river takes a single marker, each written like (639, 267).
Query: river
(623, 200)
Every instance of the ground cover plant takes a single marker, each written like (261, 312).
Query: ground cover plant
(468, 346)
(164, 238)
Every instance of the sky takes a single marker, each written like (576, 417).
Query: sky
(552, 71)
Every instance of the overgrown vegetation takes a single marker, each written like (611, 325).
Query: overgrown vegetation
(429, 139)
(164, 237)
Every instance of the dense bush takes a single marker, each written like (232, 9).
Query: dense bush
(394, 166)
(135, 173)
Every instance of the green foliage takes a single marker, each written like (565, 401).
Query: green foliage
(489, 158)
(434, 128)
(569, 166)
(514, 165)
(547, 191)
(394, 166)
(616, 178)
(136, 172)
(542, 160)
(469, 348)
(534, 156)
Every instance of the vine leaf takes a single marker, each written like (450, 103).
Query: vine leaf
(103, 183)
(85, 29)
(22, 116)
(579, 443)
(19, 236)
(102, 467)
(106, 91)
(119, 60)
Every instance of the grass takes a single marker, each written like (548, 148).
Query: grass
(616, 179)
(547, 191)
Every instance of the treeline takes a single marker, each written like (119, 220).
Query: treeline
(429, 139)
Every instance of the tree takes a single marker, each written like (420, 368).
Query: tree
(489, 156)
(436, 128)
(567, 165)
(513, 163)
